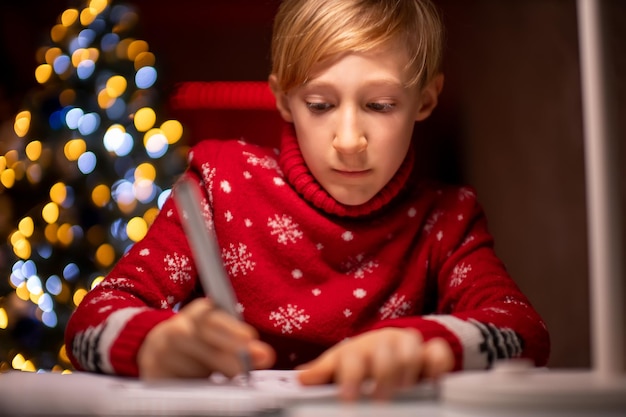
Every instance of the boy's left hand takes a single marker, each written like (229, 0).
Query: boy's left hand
(391, 357)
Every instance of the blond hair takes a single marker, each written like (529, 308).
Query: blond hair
(309, 31)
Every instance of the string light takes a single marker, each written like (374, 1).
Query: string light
(99, 159)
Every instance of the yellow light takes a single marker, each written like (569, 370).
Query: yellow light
(43, 73)
(63, 355)
(26, 226)
(65, 234)
(35, 296)
(137, 47)
(104, 99)
(94, 54)
(20, 169)
(3, 163)
(87, 16)
(22, 249)
(173, 130)
(33, 173)
(22, 292)
(144, 59)
(22, 123)
(33, 150)
(7, 178)
(51, 233)
(74, 148)
(79, 56)
(18, 361)
(127, 208)
(101, 195)
(116, 85)
(4, 319)
(58, 193)
(78, 296)
(52, 54)
(67, 97)
(136, 229)
(69, 17)
(150, 215)
(122, 48)
(105, 255)
(29, 367)
(144, 119)
(98, 5)
(50, 212)
(97, 281)
(145, 171)
(57, 33)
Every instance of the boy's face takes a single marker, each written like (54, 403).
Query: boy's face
(354, 120)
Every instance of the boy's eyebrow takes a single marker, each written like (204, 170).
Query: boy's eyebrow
(378, 82)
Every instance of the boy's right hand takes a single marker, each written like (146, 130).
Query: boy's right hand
(200, 340)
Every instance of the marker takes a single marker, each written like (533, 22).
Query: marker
(203, 243)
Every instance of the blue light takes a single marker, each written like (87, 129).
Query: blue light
(45, 302)
(117, 110)
(56, 120)
(162, 197)
(86, 37)
(73, 117)
(70, 196)
(54, 285)
(85, 69)
(49, 318)
(87, 162)
(109, 42)
(61, 64)
(145, 77)
(29, 269)
(122, 192)
(34, 285)
(45, 251)
(89, 123)
(71, 272)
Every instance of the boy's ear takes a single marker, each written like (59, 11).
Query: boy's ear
(429, 97)
(281, 99)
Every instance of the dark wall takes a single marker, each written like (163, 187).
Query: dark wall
(510, 117)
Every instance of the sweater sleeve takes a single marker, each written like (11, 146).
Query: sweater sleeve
(479, 310)
(144, 288)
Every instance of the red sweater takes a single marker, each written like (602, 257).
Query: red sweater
(309, 271)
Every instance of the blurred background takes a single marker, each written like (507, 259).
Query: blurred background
(509, 123)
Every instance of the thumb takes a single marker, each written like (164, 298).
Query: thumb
(319, 371)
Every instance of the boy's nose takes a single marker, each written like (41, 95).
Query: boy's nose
(349, 137)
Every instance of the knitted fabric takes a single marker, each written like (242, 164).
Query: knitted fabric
(309, 272)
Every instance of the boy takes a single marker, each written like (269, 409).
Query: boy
(344, 263)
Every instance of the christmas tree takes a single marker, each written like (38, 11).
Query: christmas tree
(90, 163)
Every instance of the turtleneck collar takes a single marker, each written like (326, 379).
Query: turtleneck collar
(298, 175)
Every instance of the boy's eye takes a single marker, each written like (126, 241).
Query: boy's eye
(317, 107)
(381, 107)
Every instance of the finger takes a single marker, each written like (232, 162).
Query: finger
(385, 369)
(263, 355)
(438, 358)
(352, 370)
(410, 355)
(319, 371)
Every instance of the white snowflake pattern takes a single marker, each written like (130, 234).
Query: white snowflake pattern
(319, 246)
(460, 217)
(347, 312)
(105, 309)
(467, 240)
(225, 186)
(239, 308)
(316, 291)
(179, 267)
(139, 269)
(296, 274)
(459, 273)
(289, 318)
(396, 306)
(284, 228)
(430, 223)
(347, 236)
(359, 293)
(247, 175)
(144, 252)
(247, 222)
(208, 176)
(238, 260)
(278, 181)
(106, 296)
(169, 213)
(359, 266)
(117, 283)
(439, 235)
(228, 215)
(412, 212)
(464, 193)
(164, 305)
(264, 162)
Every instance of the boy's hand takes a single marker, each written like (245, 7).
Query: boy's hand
(392, 358)
(198, 341)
